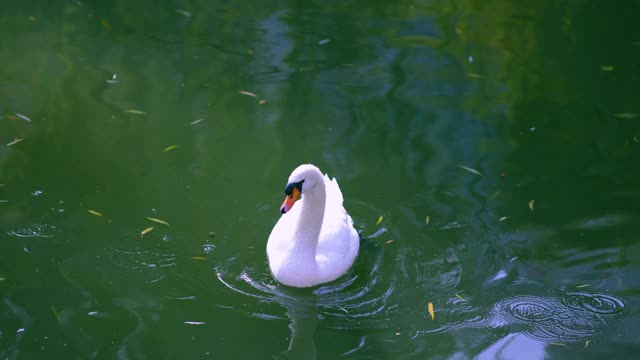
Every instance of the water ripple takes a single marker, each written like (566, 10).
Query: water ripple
(34, 231)
(558, 317)
(561, 318)
(350, 299)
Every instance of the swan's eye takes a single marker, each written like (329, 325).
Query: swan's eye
(289, 189)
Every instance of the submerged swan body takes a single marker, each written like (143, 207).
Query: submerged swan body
(314, 241)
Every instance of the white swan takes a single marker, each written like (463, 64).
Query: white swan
(315, 241)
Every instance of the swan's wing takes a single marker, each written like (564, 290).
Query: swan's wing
(338, 243)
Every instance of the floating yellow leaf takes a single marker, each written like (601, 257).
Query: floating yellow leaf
(93, 212)
(169, 148)
(471, 170)
(607, 68)
(262, 102)
(503, 218)
(105, 24)
(531, 204)
(146, 231)
(426, 220)
(583, 286)
(55, 312)
(248, 93)
(15, 141)
(626, 115)
(158, 221)
(430, 309)
(389, 242)
(379, 220)
(474, 75)
(586, 344)
(199, 258)
(459, 297)
(134, 111)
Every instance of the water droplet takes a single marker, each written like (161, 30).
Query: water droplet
(208, 248)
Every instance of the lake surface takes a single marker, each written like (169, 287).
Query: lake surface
(487, 151)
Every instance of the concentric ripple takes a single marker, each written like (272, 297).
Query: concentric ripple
(603, 304)
(351, 299)
(562, 318)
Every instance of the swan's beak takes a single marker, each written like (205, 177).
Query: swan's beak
(290, 200)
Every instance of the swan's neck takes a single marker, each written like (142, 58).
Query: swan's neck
(310, 221)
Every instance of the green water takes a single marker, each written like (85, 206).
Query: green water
(498, 142)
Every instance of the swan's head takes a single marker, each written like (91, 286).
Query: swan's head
(303, 178)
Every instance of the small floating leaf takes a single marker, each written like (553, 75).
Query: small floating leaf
(626, 115)
(586, 344)
(23, 117)
(134, 111)
(196, 121)
(459, 297)
(583, 286)
(105, 24)
(531, 204)
(183, 12)
(15, 141)
(158, 221)
(607, 68)
(262, 102)
(495, 195)
(503, 218)
(557, 344)
(430, 309)
(471, 170)
(146, 231)
(473, 75)
(55, 312)
(198, 258)
(389, 241)
(426, 220)
(93, 212)
(379, 220)
(248, 93)
(169, 148)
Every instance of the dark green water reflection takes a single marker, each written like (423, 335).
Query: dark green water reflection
(392, 98)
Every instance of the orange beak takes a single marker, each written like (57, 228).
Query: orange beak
(290, 200)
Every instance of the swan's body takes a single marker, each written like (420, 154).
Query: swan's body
(315, 241)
